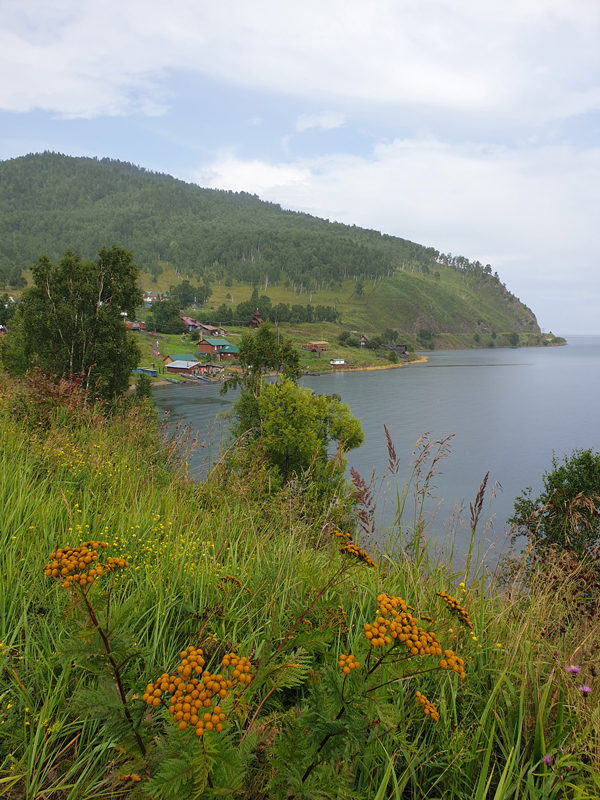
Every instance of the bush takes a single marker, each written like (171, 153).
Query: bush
(393, 357)
(566, 515)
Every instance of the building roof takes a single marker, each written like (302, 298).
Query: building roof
(183, 357)
(182, 364)
(216, 342)
(190, 321)
(231, 348)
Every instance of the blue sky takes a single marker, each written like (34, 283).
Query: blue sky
(467, 126)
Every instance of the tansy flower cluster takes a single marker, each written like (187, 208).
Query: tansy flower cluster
(80, 566)
(396, 622)
(453, 662)
(358, 553)
(461, 612)
(194, 689)
(347, 664)
(428, 708)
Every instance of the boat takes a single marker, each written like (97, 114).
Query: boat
(172, 380)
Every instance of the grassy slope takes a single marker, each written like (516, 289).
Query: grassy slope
(397, 302)
(109, 480)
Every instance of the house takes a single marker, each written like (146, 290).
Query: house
(191, 368)
(210, 330)
(337, 362)
(315, 347)
(212, 345)
(184, 357)
(150, 297)
(135, 326)
(190, 323)
(363, 340)
(229, 353)
(256, 320)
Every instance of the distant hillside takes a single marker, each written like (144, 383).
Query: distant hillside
(50, 202)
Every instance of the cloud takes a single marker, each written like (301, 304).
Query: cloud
(524, 60)
(532, 214)
(256, 177)
(326, 121)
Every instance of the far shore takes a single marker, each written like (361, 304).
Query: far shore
(418, 360)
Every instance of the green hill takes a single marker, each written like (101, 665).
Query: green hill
(233, 241)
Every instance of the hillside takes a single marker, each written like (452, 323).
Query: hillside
(50, 202)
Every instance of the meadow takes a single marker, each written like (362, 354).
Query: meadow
(372, 672)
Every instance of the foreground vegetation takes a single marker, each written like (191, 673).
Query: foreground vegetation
(499, 700)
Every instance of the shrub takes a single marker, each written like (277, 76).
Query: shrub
(567, 513)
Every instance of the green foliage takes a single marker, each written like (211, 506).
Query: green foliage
(166, 318)
(259, 353)
(393, 357)
(296, 427)
(425, 339)
(71, 320)
(566, 513)
(513, 338)
(143, 388)
(186, 294)
(299, 605)
(7, 309)
(48, 199)
(476, 337)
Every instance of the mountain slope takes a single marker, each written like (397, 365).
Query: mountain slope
(50, 202)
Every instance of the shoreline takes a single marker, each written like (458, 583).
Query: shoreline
(315, 373)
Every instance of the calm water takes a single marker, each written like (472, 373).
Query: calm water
(508, 410)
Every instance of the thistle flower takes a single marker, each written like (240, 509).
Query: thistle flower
(547, 760)
(585, 690)
(572, 670)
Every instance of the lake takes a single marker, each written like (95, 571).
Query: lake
(507, 409)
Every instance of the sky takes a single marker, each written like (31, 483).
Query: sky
(471, 127)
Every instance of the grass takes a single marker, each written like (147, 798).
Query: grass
(111, 479)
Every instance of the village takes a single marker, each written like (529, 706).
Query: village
(216, 355)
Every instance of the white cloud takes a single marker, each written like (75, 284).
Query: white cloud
(326, 121)
(529, 60)
(256, 177)
(531, 214)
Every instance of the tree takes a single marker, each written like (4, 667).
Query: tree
(360, 288)
(143, 388)
(567, 512)
(514, 339)
(71, 320)
(259, 353)
(166, 316)
(297, 426)
(184, 293)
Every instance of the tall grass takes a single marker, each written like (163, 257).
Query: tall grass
(109, 478)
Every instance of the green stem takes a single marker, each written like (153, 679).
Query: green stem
(115, 669)
(310, 768)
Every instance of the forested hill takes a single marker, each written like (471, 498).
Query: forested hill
(50, 203)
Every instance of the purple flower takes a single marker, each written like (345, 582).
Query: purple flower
(585, 689)
(573, 670)
(547, 760)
